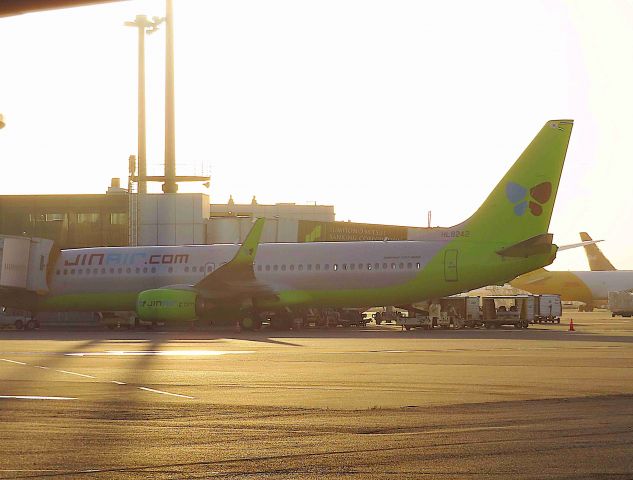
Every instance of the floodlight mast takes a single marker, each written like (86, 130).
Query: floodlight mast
(144, 26)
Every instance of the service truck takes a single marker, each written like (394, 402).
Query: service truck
(621, 303)
(517, 310)
(548, 309)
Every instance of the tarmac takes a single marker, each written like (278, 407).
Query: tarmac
(367, 403)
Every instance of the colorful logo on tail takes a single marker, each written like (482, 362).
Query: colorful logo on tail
(539, 195)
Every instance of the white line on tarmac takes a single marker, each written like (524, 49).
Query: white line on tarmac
(42, 367)
(164, 393)
(74, 373)
(12, 361)
(118, 383)
(35, 397)
(162, 353)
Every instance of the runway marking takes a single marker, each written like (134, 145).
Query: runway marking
(147, 389)
(36, 397)
(12, 361)
(42, 367)
(118, 383)
(75, 373)
(161, 353)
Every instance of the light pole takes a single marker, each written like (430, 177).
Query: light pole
(150, 26)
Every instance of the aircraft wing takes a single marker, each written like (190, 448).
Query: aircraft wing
(235, 280)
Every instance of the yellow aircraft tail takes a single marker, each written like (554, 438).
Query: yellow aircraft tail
(597, 260)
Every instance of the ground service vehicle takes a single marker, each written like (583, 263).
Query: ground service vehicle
(517, 310)
(621, 303)
(548, 309)
(18, 319)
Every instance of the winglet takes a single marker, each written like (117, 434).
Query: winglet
(240, 268)
(248, 249)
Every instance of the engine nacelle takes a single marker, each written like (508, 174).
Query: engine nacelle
(164, 304)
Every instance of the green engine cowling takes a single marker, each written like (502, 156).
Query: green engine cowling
(165, 305)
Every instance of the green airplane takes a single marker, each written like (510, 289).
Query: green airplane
(506, 237)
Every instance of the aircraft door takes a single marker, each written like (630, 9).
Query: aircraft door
(208, 268)
(450, 265)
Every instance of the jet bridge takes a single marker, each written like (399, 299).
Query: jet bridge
(26, 263)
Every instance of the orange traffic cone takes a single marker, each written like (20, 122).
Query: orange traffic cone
(571, 325)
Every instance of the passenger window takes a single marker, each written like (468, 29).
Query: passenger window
(80, 271)
(95, 271)
(57, 272)
(344, 266)
(417, 265)
(194, 269)
(153, 269)
(145, 269)
(300, 267)
(120, 270)
(377, 266)
(259, 268)
(360, 266)
(352, 266)
(326, 266)
(309, 267)
(317, 266)
(393, 266)
(72, 271)
(103, 271)
(283, 267)
(186, 269)
(409, 265)
(170, 269)
(209, 268)
(401, 265)
(112, 270)
(268, 268)
(292, 268)
(275, 267)
(384, 266)
(138, 269)
(65, 272)
(369, 266)
(335, 267)
(128, 270)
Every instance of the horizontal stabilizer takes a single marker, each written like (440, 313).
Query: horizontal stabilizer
(580, 244)
(537, 245)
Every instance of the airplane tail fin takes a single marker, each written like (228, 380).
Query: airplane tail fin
(520, 206)
(597, 260)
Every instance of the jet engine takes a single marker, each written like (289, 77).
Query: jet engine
(165, 304)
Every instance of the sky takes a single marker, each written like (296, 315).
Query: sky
(384, 109)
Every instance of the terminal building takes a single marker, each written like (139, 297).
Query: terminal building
(118, 218)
